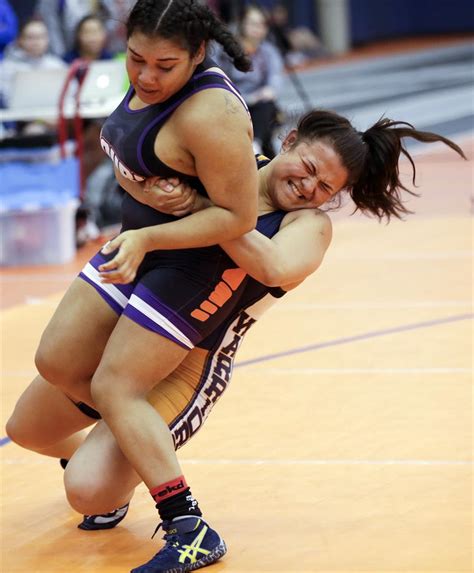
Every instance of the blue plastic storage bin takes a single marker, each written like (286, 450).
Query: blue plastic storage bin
(38, 202)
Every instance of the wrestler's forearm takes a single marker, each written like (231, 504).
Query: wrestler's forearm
(200, 229)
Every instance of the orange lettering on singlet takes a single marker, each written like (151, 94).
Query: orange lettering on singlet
(200, 315)
(208, 307)
(232, 279)
(220, 294)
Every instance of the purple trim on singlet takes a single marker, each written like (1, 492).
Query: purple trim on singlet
(229, 86)
(162, 310)
(217, 86)
(168, 112)
(145, 132)
(134, 314)
(131, 90)
(206, 73)
(116, 307)
(126, 102)
(125, 289)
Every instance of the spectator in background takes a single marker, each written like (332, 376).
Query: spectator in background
(8, 25)
(63, 16)
(90, 40)
(260, 86)
(28, 52)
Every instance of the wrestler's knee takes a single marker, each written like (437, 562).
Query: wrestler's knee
(24, 434)
(54, 367)
(48, 364)
(91, 492)
(86, 494)
(15, 431)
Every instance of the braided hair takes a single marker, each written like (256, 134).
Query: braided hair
(370, 157)
(187, 21)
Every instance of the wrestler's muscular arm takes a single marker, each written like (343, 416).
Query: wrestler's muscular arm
(292, 254)
(218, 135)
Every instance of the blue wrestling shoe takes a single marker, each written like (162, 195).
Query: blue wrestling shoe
(190, 544)
(104, 521)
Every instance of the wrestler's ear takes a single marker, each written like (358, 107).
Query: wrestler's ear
(289, 141)
(200, 54)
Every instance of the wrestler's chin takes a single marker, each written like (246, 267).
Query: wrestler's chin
(149, 96)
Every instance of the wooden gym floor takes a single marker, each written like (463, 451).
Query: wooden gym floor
(344, 441)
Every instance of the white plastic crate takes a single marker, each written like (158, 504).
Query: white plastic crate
(38, 236)
(38, 202)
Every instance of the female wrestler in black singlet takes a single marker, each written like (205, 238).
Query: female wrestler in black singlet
(180, 116)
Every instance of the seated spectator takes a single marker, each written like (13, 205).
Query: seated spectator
(63, 16)
(260, 86)
(8, 25)
(28, 52)
(90, 39)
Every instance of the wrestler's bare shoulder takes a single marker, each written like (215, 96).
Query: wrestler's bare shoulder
(215, 105)
(312, 216)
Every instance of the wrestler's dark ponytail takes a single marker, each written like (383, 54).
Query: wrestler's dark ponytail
(370, 157)
(379, 188)
(190, 22)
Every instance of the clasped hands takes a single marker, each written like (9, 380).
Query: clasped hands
(170, 196)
